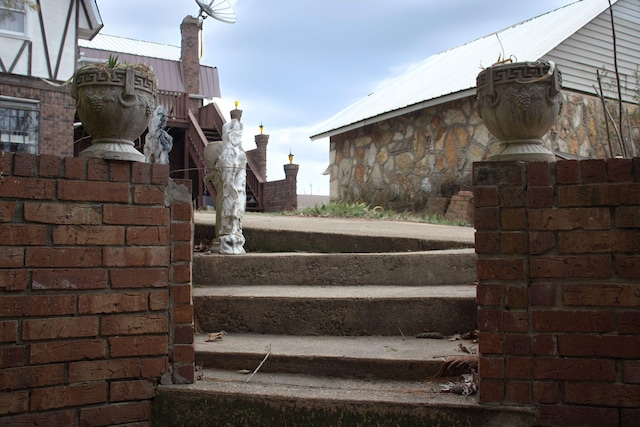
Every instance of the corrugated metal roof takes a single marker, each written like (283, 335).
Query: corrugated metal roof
(164, 59)
(452, 74)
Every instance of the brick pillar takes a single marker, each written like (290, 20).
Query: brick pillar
(558, 295)
(291, 178)
(261, 155)
(190, 58)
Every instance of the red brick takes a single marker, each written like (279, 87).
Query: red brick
(630, 417)
(14, 280)
(135, 215)
(131, 390)
(636, 169)
(491, 391)
(88, 235)
(572, 321)
(141, 173)
(518, 392)
(49, 418)
(158, 300)
(583, 242)
(99, 370)
(62, 213)
(184, 252)
(539, 173)
(627, 216)
(518, 367)
(180, 273)
(67, 396)
(181, 212)
(119, 171)
(31, 376)
(180, 294)
(14, 403)
(23, 234)
(139, 278)
(154, 367)
(8, 331)
(516, 297)
(574, 369)
(604, 295)
(182, 314)
(112, 303)
(623, 347)
(541, 242)
(63, 257)
(93, 191)
(183, 334)
(148, 195)
(628, 266)
(629, 322)
(543, 294)
(27, 305)
(544, 345)
(487, 242)
(134, 324)
(511, 197)
(136, 256)
(570, 219)
(183, 374)
(539, 197)
(514, 243)
(603, 394)
(12, 356)
(69, 279)
(488, 294)
(485, 197)
(491, 367)
(181, 232)
(97, 170)
(66, 351)
(137, 345)
(490, 343)
(121, 413)
(517, 344)
(620, 170)
(489, 319)
(567, 172)
(631, 371)
(599, 195)
(546, 392)
(50, 166)
(6, 162)
(160, 175)
(515, 321)
(7, 210)
(147, 236)
(593, 170)
(183, 354)
(502, 269)
(60, 327)
(579, 266)
(498, 173)
(24, 164)
(486, 218)
(576, 416)
(27, 188)
(74, 167)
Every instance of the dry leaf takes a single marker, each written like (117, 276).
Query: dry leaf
(215, 336)
(455, 337)
(463, 348)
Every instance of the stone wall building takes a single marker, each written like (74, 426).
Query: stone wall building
(411, 145)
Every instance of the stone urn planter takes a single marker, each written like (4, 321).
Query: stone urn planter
(519, 102)
(114, 103)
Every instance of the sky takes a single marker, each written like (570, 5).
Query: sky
(292, 64)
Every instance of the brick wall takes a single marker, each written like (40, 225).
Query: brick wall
(559, 288)
(95, 302)
(282, 195)
(57, 109)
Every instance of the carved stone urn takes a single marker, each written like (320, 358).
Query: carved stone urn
(114, 104)
(519, 102)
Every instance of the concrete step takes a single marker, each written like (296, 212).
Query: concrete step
(445, 267)
(396, 357)
(336, 310)
(223, 398)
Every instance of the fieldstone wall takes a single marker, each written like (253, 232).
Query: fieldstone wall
(419, 160)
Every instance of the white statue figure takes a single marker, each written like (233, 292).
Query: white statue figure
(227, 162)
(158, 143)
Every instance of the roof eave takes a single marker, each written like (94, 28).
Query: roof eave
(395, 113)
(94, 20)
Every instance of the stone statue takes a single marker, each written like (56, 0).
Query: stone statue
(158, 143)
(227, 164)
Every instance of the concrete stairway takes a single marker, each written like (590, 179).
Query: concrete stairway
(336, 336)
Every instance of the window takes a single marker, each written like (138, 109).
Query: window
(19, 125)
(13, 16)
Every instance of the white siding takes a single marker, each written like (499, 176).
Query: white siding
(590, 48)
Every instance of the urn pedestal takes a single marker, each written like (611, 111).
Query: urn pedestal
(114, 106)
(519, 102)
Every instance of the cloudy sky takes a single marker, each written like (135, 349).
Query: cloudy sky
(294, 63)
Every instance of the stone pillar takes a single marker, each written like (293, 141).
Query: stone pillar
(190, 58)
(261, 155)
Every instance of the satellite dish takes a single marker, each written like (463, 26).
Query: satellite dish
(217, 9)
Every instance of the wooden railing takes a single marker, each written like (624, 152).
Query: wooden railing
(210, 117)
(176, 104)
(194, 147)
(256, 186)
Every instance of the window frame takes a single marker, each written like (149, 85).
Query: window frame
(20, 140)
(24, 11)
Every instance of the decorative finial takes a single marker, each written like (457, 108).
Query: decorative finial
(290, 157)
(237, 104)
(261, 128)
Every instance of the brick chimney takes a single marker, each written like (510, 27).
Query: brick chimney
(190, 57)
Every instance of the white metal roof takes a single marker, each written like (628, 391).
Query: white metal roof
(132, 47)
(452, 74)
